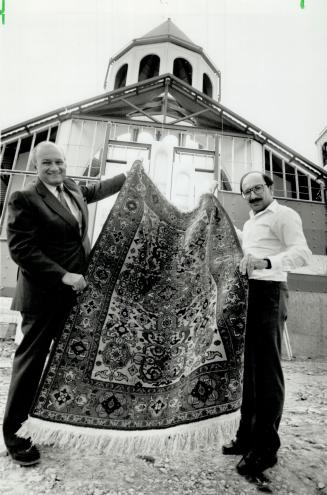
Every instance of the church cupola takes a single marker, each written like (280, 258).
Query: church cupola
(165, 49)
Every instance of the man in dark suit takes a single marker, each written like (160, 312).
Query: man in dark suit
(47, 238)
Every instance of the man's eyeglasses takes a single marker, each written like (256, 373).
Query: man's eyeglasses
(258, 189)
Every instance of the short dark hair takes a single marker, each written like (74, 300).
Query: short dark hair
(268, 180)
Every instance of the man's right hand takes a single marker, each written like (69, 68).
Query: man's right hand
(75, 280)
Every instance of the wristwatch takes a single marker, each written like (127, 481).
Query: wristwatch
(268, 263)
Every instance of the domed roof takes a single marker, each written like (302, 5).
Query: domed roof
(167, 31)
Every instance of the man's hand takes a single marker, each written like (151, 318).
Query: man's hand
(250, 263)
(75, 280)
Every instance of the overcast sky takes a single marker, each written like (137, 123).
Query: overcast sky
(271, 53)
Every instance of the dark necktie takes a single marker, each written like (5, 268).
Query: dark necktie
(61, 198)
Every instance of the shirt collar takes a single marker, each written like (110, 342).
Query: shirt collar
(272, 207)
(52, 189)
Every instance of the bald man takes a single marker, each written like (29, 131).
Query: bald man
(273, 244)
(47, 238)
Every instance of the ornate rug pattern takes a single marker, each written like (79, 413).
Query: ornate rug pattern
(156, 339)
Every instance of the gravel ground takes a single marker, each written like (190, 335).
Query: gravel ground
(301, 470)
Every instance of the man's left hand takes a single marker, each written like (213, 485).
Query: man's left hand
(250, 263)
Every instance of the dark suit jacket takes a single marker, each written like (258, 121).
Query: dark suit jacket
(45, 242)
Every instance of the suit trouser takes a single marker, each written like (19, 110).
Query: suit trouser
(38, 332)
(263, 384)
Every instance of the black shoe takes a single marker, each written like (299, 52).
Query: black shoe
(235, 447)
(253, 464)
(25, 456)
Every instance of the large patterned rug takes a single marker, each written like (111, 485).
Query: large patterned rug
(151, 355)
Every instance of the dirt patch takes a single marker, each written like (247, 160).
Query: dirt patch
(302, 467)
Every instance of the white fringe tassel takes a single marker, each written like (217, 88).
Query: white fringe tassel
(190, 436)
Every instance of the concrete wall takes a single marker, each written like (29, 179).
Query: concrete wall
(307, 324)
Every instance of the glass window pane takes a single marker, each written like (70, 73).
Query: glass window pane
(123, 133)
(202, 181)
(41, 136)
(211, 142)
(201, 141)
(277, 165)
(53, 134)
(235, 161)
(225, 181)
(290, 181)
(316, 191)
(146, 135)
(267, 162)
(9, 155)
(189, 140)
(84, 151)
(204, 162)
(303, 186)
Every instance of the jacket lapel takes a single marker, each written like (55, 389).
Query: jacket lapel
(55, 204)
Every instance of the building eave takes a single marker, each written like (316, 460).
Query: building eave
(215, 116)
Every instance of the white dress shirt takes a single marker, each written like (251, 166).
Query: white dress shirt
(275, 233)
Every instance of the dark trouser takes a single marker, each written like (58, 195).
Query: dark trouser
(38, 332)
(263, 385)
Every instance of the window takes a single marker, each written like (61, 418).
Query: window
(149, 67)
(207, 85)
(277, 168)
(316, 191)
(267, 163)
(183, 70)
(192, 174)
(135, 134)
(289, 181)
(121, 76)
(225, 182)
(303, 181)
(235, 158)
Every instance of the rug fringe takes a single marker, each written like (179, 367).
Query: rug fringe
(214, 431)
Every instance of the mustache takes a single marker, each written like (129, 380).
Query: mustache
(252, 201)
